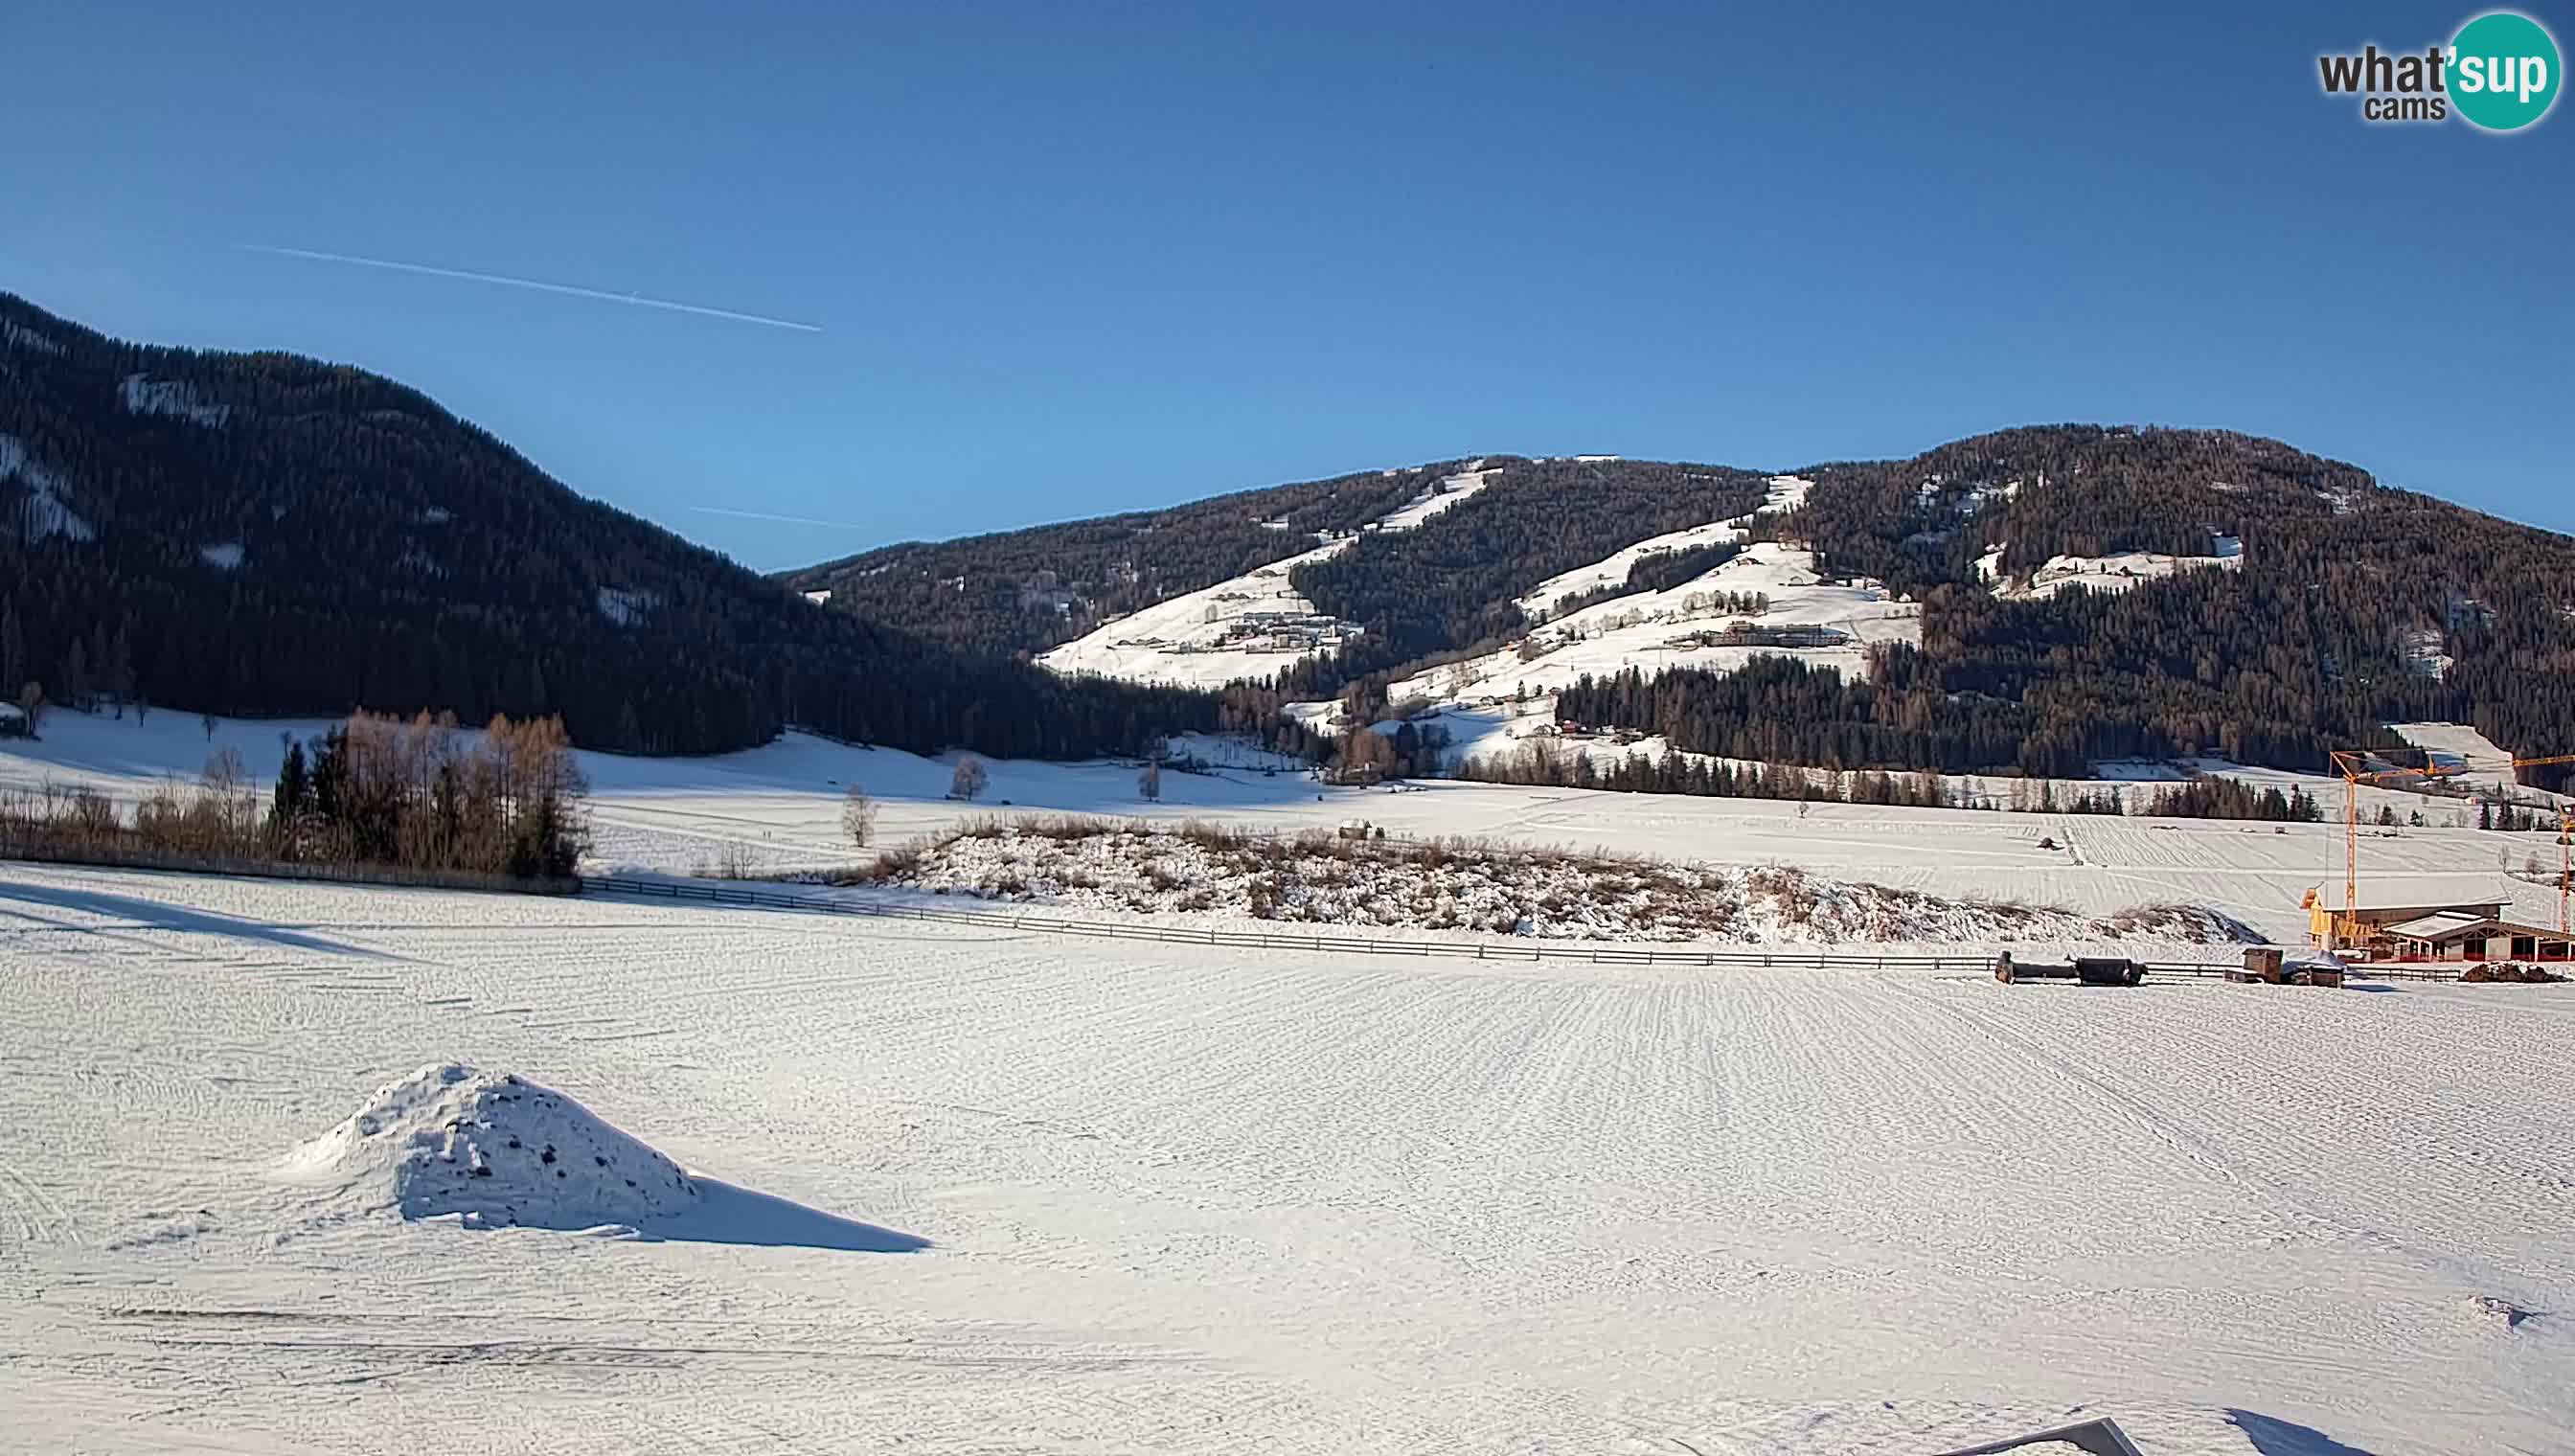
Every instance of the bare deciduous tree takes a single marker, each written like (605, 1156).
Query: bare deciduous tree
(1149, 781)
(970, 778)
(858, 816)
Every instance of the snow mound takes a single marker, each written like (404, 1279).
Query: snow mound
(492, 1150)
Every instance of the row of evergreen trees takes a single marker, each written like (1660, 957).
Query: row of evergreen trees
(1562, 764)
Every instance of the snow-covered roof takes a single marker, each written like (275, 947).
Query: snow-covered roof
(2438, 926)
(2455, 925)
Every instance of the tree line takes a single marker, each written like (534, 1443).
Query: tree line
(374, 792)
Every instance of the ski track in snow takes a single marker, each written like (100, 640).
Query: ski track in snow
(1186, 1198)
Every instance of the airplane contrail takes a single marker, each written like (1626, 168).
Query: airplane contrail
(603, 295)
(789, 520)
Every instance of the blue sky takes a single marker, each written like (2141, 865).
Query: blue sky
(1072, 259)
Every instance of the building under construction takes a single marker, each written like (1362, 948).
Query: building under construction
(2466, 931)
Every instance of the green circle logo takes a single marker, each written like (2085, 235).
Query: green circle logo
(2504, 71)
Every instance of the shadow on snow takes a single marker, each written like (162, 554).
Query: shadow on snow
(155, 914)
(2275, 1437)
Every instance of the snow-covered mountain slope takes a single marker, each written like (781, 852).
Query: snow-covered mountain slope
(1613, 570)
(1771, 600)
(1445, 494)
(2473, 761)
(1245, 627)
(1787, 492)
(2123, 572)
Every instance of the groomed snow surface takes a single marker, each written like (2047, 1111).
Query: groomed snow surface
(1174, 1198)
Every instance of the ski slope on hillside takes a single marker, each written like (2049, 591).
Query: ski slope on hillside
(2472, 760)
(1699, 623)
(1251, 625)
(1246, 627)
(2122, 571)
(1787, 492)
(1171, 1198)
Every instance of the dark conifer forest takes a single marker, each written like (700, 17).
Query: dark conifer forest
(262, 533)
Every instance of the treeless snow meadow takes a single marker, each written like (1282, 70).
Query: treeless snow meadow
(943, 1188)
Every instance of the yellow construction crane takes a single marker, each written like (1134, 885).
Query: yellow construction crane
(2353, 766)
(2565, 862)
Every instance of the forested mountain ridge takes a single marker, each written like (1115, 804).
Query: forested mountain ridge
(1026, 590)
(2342, 605)
(2291, 604)
(263, 534)
(1444, 585)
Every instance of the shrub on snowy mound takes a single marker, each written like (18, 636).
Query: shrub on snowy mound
(493, 1150)
(1459, 884)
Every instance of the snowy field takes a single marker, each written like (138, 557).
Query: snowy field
(1185, 1200)
(778, 808)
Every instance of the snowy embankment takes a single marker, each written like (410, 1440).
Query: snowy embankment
(1329, 878)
